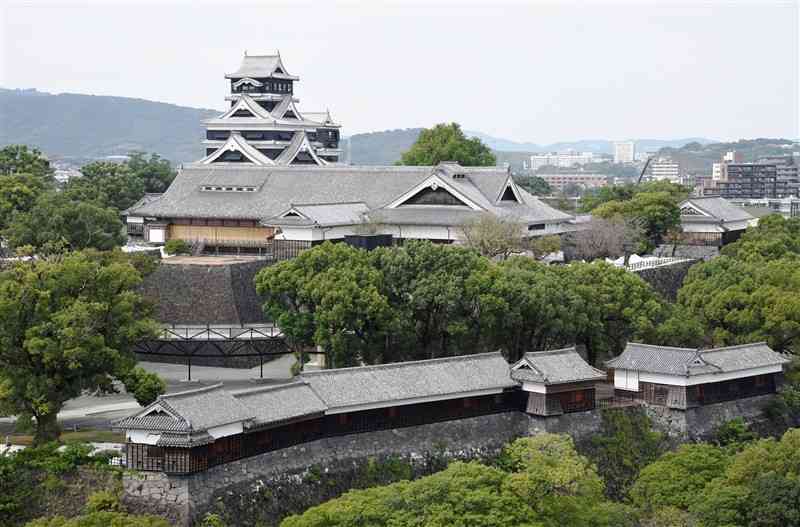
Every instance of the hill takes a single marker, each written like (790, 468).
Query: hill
(80, 126)
(695, 157)
(89, 126)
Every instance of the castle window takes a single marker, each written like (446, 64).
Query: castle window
(536, 227)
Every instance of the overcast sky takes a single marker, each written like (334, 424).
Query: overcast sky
(539, 72)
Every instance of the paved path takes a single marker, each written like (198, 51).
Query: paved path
(89, 411)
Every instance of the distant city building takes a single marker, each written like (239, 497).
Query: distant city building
(770, 177)
(583, 180)
(64, 175)
(786, 207)
(665, 169)
(644, 155)
(562, 159)
(624, 152)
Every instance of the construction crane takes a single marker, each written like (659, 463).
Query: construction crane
(644, 169)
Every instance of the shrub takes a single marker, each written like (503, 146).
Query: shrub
(735, 431)
(103, 501)
(177, 247)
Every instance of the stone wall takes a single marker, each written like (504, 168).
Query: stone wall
(156, 493)
(699, 423)
(666, 279)
(579, 425)
(200, 293)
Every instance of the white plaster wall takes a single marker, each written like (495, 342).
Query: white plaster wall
(144, 437)
(226, 430)
(134, 219)
(681, 380)
(626, 380)
(535, 387)
(700, 227)
(156, 235)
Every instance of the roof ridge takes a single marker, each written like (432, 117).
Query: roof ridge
(270, 388)
(405, 363)
(735, 346)
(552, 352)
(192, 391)
(674, 348)
(328, 203)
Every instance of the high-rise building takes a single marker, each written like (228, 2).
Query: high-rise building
(624, 152)
(565, 159)
(264, 126)
(666, 169)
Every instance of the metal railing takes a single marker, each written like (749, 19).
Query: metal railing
(650, 263)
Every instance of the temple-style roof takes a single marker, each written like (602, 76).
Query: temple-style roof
(381, 189)
(689, 361)
(555, 367)
(712, 208)
(405, 382)
(273, 405)
(236, 142)
(189, 411)
(321, 214)
(299, 143)
(261, 66)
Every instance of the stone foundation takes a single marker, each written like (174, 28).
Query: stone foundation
(699, 423)
(266, 488)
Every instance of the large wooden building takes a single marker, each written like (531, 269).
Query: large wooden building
(685, 378)
(713, 221)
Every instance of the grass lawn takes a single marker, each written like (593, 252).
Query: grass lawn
(83, 436)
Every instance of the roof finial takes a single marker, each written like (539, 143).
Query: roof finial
(245, 53)
(278, 51)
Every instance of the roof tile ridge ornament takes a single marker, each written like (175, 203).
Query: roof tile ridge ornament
(266, 389)
(737, 346)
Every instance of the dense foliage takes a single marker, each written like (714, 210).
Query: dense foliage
(425, 301)
(66, 326)
(752, 291)
(446, 142)
(37, 217)
(120, 185)
(544, 482)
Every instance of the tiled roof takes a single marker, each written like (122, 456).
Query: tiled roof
(280, 187)
(385, 383)
(555, 367)
(260, 66)
(718, 208)
(688, 361)
(276, 404)
(193, 410)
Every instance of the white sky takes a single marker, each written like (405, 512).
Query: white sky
(539, 72)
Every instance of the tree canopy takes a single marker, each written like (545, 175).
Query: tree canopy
(424, 300)
(67, 325)
(446, 142)
(57, 222)
(752, 291)
(544, 483)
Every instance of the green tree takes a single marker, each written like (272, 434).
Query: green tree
(56, 222)
(534, 184)
(154, 172)
(18, 193)
(544, 483)
(19, 159)
(426, 283)
(657, 213)
(493, 236)
(678, 478)
(66, 325)
(143, 385)
(625, 445)
(617, 306)
(525, 305)
(110, 185)
(446, 142)
(101, 519)
(760, 487)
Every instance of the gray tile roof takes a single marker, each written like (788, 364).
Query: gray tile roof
(718, 208)
(260, 66)
(276, 404)
(555, 367)
(387, 383)
(194, 410)
(279, 187)
(688, 361)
